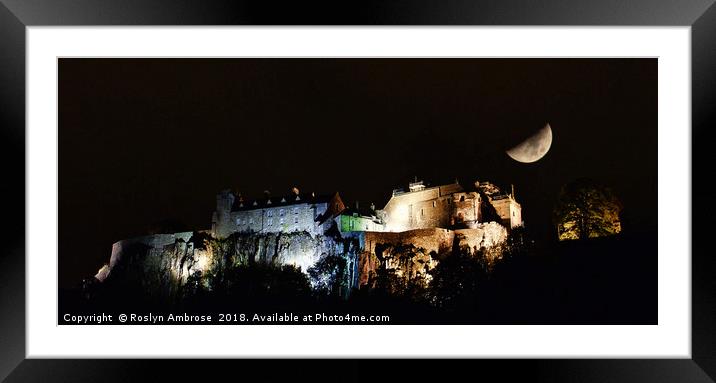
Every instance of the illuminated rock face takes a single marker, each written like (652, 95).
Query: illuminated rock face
(163, 264)
(416, 252)
(484, 236)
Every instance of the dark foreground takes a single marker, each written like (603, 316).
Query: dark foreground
(601, 281)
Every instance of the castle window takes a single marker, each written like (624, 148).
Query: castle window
(295, 219)
(269, 213)
(295, 210)
(433, 203)
(281, 212)
(422, 213)
(281, 220)
(269, 222)
(462, 198)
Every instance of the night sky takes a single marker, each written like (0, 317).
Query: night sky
(147, 140)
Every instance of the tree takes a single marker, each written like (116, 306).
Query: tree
(457, 278)
(586, 209)
(329, 274)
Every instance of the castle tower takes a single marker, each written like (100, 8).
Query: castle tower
(221, 219)
(509, 210)
(506, 206)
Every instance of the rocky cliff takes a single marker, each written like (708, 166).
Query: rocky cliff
(174, 266)
(412, 254)
(170, 266)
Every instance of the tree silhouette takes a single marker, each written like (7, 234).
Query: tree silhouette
(457, 278)
(329, 274)
(586, 209)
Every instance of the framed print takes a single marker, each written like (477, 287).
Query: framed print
(497, 183)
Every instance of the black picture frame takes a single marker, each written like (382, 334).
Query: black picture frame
(16, 15)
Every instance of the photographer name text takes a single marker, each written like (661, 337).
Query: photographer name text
(221, 318)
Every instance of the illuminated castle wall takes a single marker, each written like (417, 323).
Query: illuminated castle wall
(448, 206)
(303, 229)
(451, 206)
(284, 214)
(509, 210)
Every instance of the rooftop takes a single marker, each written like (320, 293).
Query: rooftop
(241, 204)
(360, 211)
(419, 186)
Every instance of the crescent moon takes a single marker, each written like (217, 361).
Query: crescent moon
(534, 147)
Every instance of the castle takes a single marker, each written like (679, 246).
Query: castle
(305, 229)
(450, 206)
(296, 212)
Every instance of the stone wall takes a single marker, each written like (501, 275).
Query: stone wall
(509, 210)
(485, 235)
(447, 206)
(298, 217)
(221, 223)
(466, 208)
(288, 214)
(420, 209)
(435, 239)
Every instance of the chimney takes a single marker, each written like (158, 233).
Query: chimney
(513, 190)
(356, 205)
